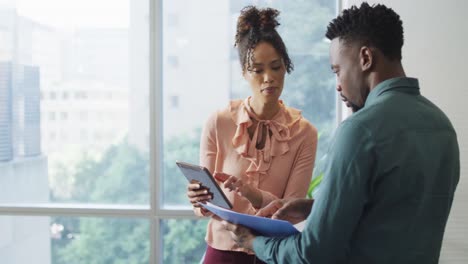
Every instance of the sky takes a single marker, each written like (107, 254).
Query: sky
(76, 13)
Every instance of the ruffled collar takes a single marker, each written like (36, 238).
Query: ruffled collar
(276, 143)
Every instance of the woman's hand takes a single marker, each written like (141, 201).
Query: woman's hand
(198, 193)
(241, 188)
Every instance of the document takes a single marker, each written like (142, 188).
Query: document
(260, 225)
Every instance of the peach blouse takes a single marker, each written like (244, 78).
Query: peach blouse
(282, 169)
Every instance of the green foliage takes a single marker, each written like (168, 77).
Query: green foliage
(313, 185)
(121, 176)
(108, 241)
(186, 148)
(184, 241)
(303, 25)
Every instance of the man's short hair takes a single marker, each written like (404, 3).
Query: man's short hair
(375, 26)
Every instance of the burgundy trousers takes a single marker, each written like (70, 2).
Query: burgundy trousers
(216, 256)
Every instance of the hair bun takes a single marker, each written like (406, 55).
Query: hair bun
(252, 18)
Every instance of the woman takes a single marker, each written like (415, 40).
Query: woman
(264, 149)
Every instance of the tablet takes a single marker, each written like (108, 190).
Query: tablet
(201, 174)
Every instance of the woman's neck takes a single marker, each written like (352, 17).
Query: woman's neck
(263, 110)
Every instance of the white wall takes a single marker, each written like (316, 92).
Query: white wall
(435, 52)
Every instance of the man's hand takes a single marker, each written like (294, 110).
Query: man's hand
(241, 235)
(271, 208)
(293, 210)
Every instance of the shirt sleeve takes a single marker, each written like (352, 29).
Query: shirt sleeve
(302, 169)
(208, 145)
(208, 150)
(336, 210)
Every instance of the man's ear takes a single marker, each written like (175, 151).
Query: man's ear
(366, 58)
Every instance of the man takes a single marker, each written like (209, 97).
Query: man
(393, 166)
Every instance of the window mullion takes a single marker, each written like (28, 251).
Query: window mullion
(155, 115)
(79, 210)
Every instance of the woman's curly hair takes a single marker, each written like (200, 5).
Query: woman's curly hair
(376, 25)
(259, 25)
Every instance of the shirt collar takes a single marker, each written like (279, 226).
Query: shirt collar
(402, 84)
(276, 144)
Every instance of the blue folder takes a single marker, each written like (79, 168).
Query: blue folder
(260, 225)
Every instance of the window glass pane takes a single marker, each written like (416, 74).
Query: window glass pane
(183, 240)
(202, 71)
(73, 101)
(64, 240)
(24, 234)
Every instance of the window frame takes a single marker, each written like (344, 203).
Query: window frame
(154, 212)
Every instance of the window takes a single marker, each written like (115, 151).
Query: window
(83, 116)
(102, 181)
(84, 135)
(208, 75)
(63, 116)
(52, 136)
(83, 164)
(172, 20)
(173, 101)
(173, 61)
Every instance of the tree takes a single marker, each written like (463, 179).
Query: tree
(184, 241)
(107, 241)
(184, 148)
(121, 176)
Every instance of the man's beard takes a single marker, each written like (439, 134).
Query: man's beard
(354, 108)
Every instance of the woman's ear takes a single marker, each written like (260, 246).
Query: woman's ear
(366, 58)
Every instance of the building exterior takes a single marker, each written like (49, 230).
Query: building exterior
(23, 167)
(195, 67)
(6, 112)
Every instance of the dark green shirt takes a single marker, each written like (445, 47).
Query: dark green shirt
(388, 186)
